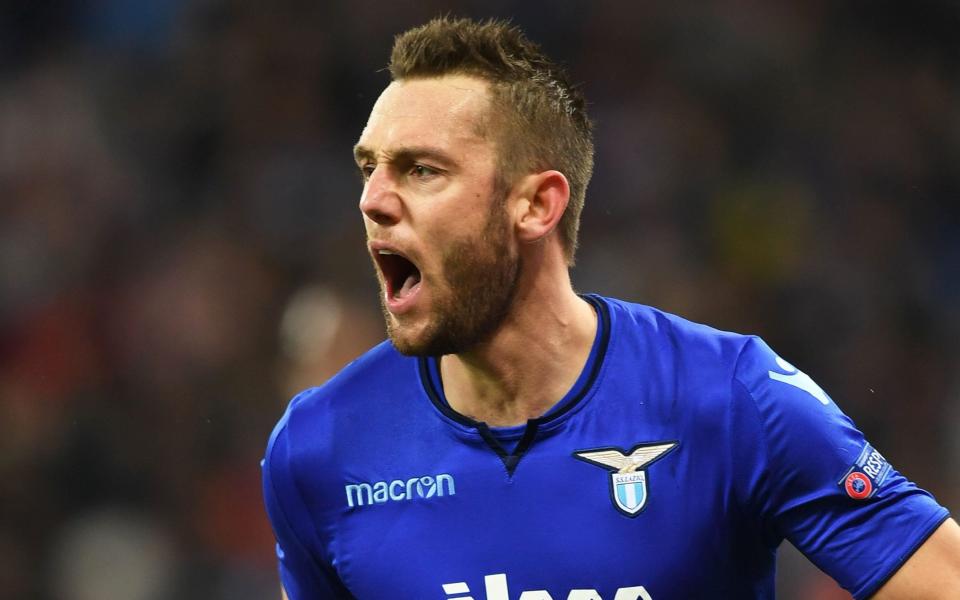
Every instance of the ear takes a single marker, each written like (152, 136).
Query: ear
(540, 201)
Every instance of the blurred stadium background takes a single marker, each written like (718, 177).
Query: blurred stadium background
(181, 250)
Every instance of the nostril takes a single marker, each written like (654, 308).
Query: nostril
(379, 218)
(380, 206)
(377, 214)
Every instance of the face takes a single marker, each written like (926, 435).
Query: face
(437, 225)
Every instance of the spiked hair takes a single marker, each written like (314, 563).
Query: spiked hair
(538, 118)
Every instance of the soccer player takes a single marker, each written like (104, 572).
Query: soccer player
(516, 440)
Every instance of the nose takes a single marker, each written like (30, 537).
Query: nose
(380, 202)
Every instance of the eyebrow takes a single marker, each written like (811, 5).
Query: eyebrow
(405, 154)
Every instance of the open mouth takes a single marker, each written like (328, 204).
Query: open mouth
(400, 275)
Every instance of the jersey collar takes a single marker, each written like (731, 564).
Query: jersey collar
(500, 438)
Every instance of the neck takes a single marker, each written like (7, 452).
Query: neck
(530, 362)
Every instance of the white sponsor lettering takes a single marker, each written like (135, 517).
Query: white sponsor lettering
(496, 588)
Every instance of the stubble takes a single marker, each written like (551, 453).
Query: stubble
(480, 276)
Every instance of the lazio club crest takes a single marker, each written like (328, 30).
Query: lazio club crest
(628, 479)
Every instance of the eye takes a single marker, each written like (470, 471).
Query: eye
(422, 171)
(366, 170)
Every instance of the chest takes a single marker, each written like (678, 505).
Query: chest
(576, 519)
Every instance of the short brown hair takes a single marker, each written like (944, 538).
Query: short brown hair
(546, 124)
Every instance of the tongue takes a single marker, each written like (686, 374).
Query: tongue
(411, 280)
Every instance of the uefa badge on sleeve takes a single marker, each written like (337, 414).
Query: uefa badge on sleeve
(866, 475)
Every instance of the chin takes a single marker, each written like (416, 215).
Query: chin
(407, 339)
(408, 349)
(426, 341)
(409, 345)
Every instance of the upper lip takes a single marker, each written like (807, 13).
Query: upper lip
(378, 247)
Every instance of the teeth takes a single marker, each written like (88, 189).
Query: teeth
(387, 252)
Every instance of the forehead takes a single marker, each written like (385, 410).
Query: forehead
(448, 112)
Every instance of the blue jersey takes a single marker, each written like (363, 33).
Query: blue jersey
(673, 469)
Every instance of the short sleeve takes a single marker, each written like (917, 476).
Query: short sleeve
(817, 482)
(303, 574)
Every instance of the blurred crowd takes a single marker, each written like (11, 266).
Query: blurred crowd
(181, 251)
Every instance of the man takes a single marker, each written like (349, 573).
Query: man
(517, 440)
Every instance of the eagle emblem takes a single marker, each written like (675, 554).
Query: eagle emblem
(628, 477)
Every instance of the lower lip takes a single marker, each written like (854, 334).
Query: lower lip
(399, 306)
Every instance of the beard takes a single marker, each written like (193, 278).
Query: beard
(481, 276)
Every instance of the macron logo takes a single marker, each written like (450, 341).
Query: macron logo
(381, 492)
(496, 589)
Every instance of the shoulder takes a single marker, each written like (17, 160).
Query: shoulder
(719, 378)
(377, 369)
(315, 415)
(674, 340)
